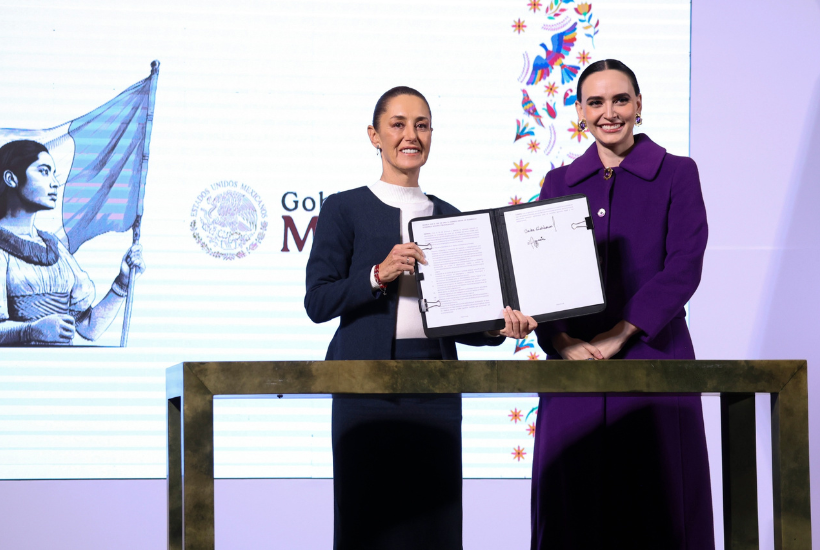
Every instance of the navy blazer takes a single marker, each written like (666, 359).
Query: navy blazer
(356, 231)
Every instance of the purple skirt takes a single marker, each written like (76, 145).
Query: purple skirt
(622, 470)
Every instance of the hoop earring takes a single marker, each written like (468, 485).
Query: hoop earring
(638, 119)
(582, 125)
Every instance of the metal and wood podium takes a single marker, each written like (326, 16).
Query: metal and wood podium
(190, 388)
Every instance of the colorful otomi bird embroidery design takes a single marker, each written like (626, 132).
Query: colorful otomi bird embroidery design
(562, 43)
(529, 108)
(523, 344)
(522, 131)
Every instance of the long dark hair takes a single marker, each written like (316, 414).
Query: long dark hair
(608, 64)
(381, 104)
(17, 156)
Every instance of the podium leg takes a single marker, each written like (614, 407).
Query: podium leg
(739, 471)
(197, 463)
(175, 520)
(790, 464)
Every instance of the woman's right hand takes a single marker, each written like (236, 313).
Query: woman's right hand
(574, 349)
(53, 329)
(402, 258)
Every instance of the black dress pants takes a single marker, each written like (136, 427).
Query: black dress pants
(397, 467)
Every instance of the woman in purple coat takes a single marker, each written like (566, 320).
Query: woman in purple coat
(615, 470)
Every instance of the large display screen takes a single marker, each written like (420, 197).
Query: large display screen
(222, 156)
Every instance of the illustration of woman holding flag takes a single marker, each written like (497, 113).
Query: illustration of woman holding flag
(45, 296)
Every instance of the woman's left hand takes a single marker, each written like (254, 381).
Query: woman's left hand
(610, 342)
(132, 258)
(516, 324)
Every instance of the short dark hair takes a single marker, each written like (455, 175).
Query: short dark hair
(608, 64)
(17, 156)
(381, 104)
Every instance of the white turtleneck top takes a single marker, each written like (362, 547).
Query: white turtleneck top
(413, 204)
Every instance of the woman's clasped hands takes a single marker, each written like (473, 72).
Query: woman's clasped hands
(602, 346)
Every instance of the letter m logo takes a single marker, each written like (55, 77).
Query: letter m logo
(290, 226)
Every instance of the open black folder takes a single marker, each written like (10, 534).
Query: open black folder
(538, 257)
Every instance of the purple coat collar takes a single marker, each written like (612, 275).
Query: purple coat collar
(644, 161)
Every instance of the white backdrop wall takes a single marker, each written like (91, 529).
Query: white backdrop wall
(276, 96)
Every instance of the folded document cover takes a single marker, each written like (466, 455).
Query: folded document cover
(538, 257)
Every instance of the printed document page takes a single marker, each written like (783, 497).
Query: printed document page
(553, 256)
(461, 282)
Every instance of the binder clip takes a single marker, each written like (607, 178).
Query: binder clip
(424, 305)
(586, 224)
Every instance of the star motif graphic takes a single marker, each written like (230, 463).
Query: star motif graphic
(534, 5)
(551, 89)
(515, 416)
(533, 356)
(533, 146)
(531, 429)
(584, 57)
(577, 132)
(515, 200)
(541, 183)
(521, 171)
(518, 26)
(518, 453)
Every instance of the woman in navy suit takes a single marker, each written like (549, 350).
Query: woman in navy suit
(396, 459)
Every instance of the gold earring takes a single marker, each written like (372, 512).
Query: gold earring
(582, 125)
(638, 119)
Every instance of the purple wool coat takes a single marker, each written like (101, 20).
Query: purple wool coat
(629, 471)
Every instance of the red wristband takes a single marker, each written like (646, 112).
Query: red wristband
(382, 286)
